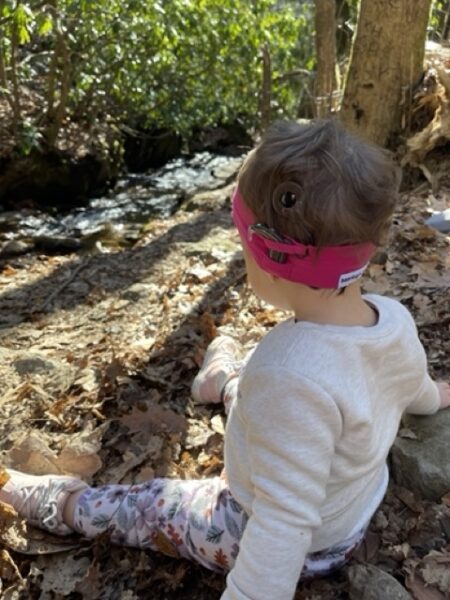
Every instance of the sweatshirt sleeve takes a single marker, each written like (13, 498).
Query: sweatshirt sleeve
(292, 425)
(427, 400)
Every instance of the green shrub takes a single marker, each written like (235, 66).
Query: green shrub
(166, 63)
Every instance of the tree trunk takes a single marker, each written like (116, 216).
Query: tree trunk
(16, 106)
(386, 62)
(59, 113)
(325, 84)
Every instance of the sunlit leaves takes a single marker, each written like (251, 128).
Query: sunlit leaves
(22, 17)
(44, 25)
(174, 63)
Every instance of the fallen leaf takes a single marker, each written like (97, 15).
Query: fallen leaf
(198, 434)
(201, 273)
(208, 326)
(404, 432)
(415, 584)
(8, 568)
(61, 573)
(369, 547)
(145, 474)
(4, 477)
(218, 424)
(145, 343)
(91, 586)
(39, 541)
(9, 271)
(152, 418)
(12, 528)
(16, 535)
(164, 545)
(429, 277)
(78, 457)
(437, 570)
(408, 499)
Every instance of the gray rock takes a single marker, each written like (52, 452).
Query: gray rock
(440, 221)
(139, 291)
(370, 583)
(210, 200)
(15, 248)
(30, 364)
(57, 244)
(423, 464)
(228, 170)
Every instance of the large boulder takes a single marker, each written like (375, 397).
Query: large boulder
(370, 583)
(421, 459)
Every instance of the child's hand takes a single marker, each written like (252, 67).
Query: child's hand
(444, 393)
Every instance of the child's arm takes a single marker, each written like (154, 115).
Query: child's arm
(292, 426)
(444, 393)
(428, 398)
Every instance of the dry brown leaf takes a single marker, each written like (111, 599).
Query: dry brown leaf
(114, 370)
(61, 573)
(416, 585)
(4, 477)
(91, 586)
(164, 545)
(9, 271)
(201, 273)
(151, 418)
(208, 326)
(408, 499)
(437, 570)
(76, 461)
(369, 547)
(8, 568)
(218, 424)
(12, 528)
(446, 499)
(144, 474)
(428, 276)
(78, 457)
(404, 432)
(198, 434)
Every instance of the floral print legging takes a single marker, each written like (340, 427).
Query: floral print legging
(195, 519)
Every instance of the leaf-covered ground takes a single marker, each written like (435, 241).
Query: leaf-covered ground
(97, 353)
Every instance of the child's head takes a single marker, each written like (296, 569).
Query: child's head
(318, 184)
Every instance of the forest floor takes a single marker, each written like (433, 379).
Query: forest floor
(97, 353)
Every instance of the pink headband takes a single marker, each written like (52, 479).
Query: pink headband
(330, 267)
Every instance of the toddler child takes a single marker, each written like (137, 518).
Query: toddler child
(313, 411)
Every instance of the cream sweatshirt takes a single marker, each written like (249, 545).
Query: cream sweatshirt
(306, 442)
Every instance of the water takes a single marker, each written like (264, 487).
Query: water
(134, 201)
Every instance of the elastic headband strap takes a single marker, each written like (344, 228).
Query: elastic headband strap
(331, 267)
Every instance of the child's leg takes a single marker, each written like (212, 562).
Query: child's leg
(196, 519)
(217, 379)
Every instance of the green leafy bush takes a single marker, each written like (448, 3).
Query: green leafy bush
(166, 63)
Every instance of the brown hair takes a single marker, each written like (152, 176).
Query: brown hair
(320, 185)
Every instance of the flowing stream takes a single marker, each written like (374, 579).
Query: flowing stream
(121, 214)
